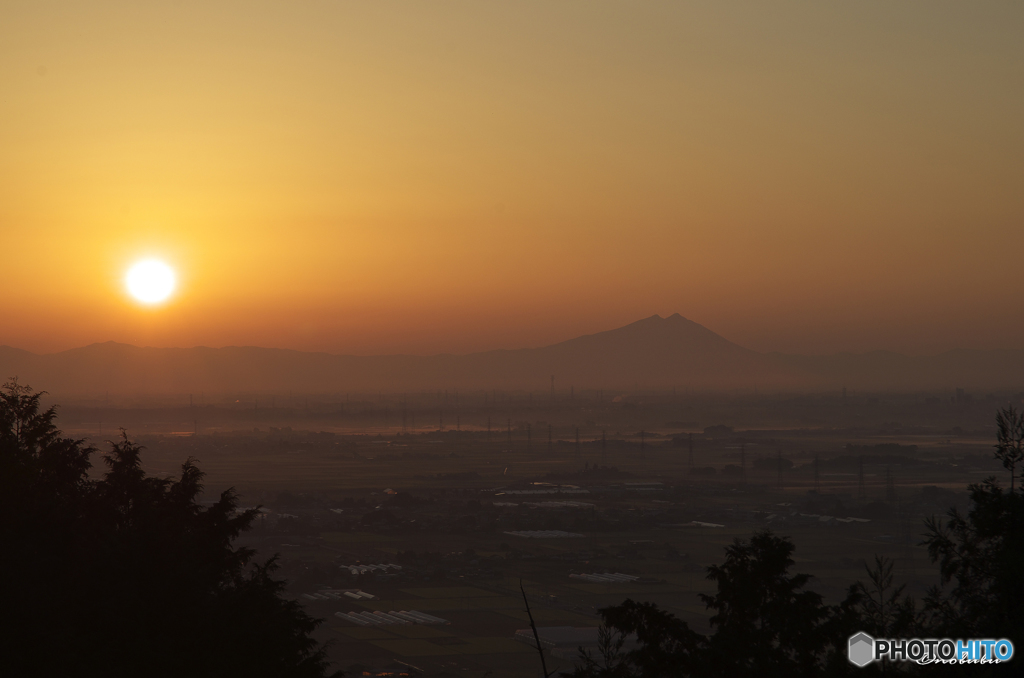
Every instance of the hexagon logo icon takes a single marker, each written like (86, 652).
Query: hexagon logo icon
(861, 651)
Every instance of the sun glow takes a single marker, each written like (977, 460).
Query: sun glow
(150, 281)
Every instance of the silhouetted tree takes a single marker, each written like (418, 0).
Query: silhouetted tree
(661, 644)
(879, 608)
(981, 562)
(884, 611)
(1010, 436)
(129, 575)
(765, 624)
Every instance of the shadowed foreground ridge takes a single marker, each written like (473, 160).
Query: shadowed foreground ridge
(128, 575)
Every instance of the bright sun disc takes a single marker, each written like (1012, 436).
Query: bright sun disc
(150, 281)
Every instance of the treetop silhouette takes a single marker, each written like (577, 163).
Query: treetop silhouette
(129, 575)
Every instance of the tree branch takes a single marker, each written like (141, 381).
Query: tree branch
(536, 636)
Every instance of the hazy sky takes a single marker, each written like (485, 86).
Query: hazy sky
(449, 176)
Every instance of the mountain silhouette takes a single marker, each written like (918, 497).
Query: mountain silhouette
(653, 353)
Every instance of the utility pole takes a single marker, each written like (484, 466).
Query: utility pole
(860, 477)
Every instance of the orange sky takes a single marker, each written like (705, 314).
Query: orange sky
(379, 177)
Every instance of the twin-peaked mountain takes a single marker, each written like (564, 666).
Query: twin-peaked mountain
(654, 353)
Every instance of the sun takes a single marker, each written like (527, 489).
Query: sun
(150, 281)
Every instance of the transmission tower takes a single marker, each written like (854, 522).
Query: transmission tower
(860, 477)
(890, 486)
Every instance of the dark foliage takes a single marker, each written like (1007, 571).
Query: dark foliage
(981, 557)
(981, 560)
(129, 575)
(660, 644)
(765, 623)
(1010, 448)
(877, 607)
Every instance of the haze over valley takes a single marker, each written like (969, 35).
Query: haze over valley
(654, 353)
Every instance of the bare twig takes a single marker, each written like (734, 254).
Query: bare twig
(536, 636)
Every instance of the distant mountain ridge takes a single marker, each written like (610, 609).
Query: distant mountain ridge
(653, 353)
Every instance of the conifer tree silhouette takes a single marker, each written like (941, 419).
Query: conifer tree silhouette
(129, 575)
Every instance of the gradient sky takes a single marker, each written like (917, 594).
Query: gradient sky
(377, 177)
